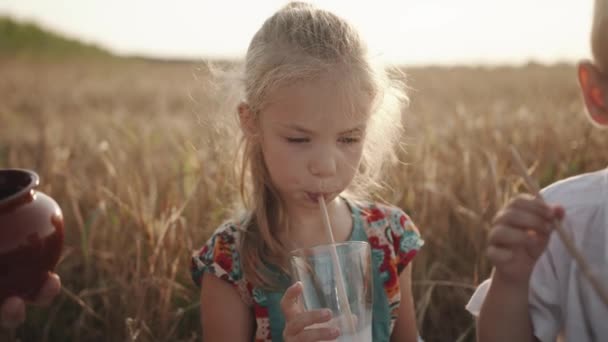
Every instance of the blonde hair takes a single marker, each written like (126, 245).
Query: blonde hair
(599, 34)
(299, 43)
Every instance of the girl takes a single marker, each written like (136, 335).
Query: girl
(318, 119)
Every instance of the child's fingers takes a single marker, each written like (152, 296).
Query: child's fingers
(524, 219)
(506, 236)
(305, 319)
(12, 312)
(532, 204)
(499, 255)
(558, 212)
(536, 244)
(317, 334)
(289, 302)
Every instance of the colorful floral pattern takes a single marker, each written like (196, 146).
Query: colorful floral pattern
(393, 237)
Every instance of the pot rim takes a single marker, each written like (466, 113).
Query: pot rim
(34, 181)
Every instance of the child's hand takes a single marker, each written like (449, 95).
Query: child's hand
(12, 310)
(299, 323)
(519, 235)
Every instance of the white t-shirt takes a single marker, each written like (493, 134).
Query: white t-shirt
(562, 302)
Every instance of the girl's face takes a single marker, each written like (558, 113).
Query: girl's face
(312, 139)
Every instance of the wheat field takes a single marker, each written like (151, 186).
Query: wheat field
(121, 147)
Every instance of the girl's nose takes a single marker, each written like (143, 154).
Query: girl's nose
(323, 164)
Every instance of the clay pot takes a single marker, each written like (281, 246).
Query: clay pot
(31, 234)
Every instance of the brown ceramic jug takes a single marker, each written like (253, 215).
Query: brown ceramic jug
(31, 234)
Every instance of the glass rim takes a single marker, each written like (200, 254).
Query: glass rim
(299, 252)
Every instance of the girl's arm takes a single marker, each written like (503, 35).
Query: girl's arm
(224, 316)
(405, 326)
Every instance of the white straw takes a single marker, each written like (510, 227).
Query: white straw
(342, 298)
(561, 232)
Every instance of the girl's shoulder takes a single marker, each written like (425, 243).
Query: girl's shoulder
(229, 231)
(220, 255)
(225, 238)
(390, 231)
(378, 216)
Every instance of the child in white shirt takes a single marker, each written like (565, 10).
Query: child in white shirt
(537, 291)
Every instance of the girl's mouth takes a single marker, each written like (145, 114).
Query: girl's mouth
(314, 196)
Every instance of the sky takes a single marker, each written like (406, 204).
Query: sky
(414, 32)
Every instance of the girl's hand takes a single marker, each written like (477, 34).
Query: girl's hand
(519, 236)
(299, 324)
(12, 310)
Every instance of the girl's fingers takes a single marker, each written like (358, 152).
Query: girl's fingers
(49, 290)
(12, 312)
(305, 319)
(290, 301)
(318, 334)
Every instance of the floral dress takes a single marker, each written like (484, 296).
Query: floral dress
(394, 241)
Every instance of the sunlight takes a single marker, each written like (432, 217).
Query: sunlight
(411, 32)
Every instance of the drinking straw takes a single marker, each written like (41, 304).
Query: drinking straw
(343, 300)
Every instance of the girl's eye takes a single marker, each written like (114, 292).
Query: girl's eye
(349, 140)
(297, 140)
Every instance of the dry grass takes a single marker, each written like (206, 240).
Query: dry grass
(119, 146)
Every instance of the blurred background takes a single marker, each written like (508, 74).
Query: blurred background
(468, 32)
(108, 102)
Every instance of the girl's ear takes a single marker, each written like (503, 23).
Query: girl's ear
(595, 91)
(247, 119)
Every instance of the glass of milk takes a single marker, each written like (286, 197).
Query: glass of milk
(338, 277)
